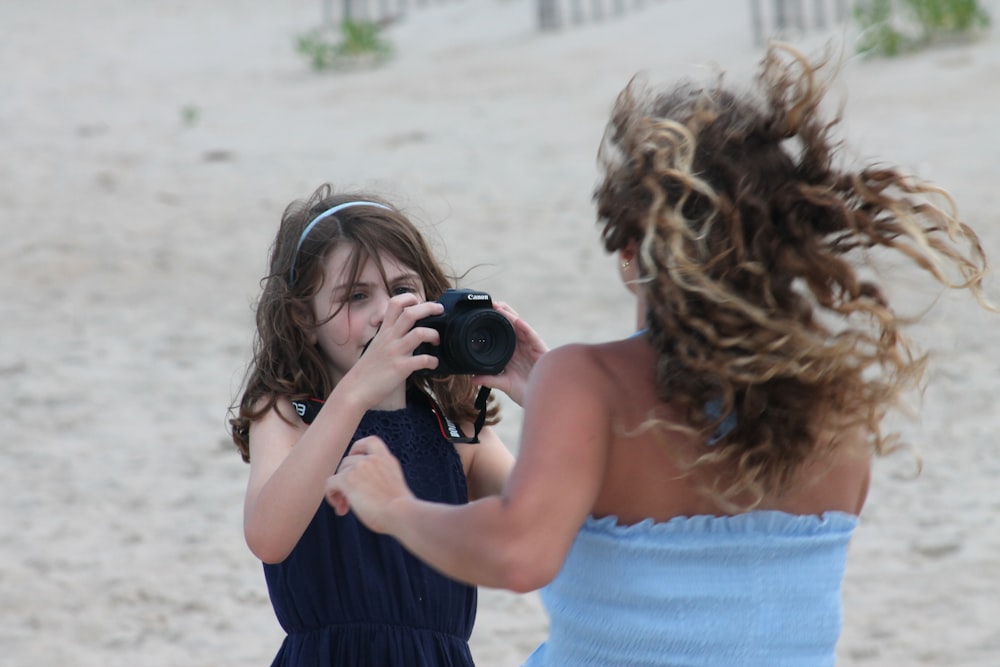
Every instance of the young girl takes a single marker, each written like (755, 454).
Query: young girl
(688, 494)
(334, 361)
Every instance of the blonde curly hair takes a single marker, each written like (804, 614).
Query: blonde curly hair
(752, 247)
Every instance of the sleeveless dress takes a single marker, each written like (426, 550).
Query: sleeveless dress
(349, 597)
(760, 589)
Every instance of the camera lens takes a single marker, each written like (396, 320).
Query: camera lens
(484, 342)
(481, 341)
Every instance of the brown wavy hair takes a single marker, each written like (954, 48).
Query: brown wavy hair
(754, 254)
(284, 363)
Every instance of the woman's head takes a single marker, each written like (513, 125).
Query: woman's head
(750, 240)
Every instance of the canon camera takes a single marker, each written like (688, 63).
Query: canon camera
(475, 339)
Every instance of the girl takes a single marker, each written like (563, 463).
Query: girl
(688, 494)
(334, 361)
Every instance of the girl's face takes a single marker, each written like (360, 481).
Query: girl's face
(359, 306)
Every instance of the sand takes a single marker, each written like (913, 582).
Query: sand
(148, 150)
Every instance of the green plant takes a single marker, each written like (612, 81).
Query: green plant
(950, 15)
(890, 27)
(355, 43)
(190, 114)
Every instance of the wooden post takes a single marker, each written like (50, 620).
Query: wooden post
(548, 15)
(597, 10)
(781, 16)
(819, 20)
(327, 13)
(757, 22)
(841, 9)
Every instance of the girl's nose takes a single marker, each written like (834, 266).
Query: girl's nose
(378, 310)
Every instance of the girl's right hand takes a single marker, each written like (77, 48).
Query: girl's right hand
(388, 359)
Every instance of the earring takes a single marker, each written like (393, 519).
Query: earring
(627, 263)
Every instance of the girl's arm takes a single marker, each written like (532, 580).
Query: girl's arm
(288, 465)
(519, 539)
(487, 464)
(289, 462)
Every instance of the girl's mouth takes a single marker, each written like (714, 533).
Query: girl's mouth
(365, 348)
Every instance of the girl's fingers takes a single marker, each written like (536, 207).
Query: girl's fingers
(406, 309)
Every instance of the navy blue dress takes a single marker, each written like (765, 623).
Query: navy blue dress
(349, 597)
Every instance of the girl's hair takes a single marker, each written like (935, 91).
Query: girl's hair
(751, 243)
(284, 363)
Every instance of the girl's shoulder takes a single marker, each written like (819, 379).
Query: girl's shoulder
(267, 404)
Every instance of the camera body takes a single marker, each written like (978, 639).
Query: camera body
(475, 339)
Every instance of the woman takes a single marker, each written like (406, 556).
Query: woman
(686, 495)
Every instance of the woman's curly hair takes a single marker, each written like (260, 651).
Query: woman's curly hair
(285, 363)
(752, 245)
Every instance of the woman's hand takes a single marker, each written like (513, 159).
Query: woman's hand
(368, 482)
(529, 349)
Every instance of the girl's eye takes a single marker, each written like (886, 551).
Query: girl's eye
(357, 296)
(404, 289)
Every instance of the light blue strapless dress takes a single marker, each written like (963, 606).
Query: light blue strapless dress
(760, 589)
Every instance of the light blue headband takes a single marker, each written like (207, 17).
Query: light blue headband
(326, 214)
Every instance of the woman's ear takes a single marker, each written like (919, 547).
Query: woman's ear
(626, 255)
(627, 268)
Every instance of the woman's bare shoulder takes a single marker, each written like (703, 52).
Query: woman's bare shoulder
(574, 361)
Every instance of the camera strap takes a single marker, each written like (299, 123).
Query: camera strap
(308, 409)
(450, 429)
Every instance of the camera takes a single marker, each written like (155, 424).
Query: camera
(475, 339)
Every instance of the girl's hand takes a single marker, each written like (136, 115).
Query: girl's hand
(367, 482)
(529, 349)
(388, 360)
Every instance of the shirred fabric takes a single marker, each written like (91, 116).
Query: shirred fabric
(348, 597)
(761, 589)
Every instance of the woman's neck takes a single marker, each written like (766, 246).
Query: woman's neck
(641, 313)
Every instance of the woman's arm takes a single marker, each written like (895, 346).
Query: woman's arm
(519, 539)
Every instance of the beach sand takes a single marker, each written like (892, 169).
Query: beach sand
(148, 150)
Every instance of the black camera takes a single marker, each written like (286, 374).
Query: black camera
(475, 339)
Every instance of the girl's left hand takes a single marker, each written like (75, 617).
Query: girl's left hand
(367, 482)
(529, 349)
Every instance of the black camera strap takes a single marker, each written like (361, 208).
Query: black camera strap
(308, 409)
(450, 429)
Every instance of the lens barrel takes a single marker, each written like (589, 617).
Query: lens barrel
(480, 342)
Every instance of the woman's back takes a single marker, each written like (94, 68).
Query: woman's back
(645, 475)
(663, 574)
